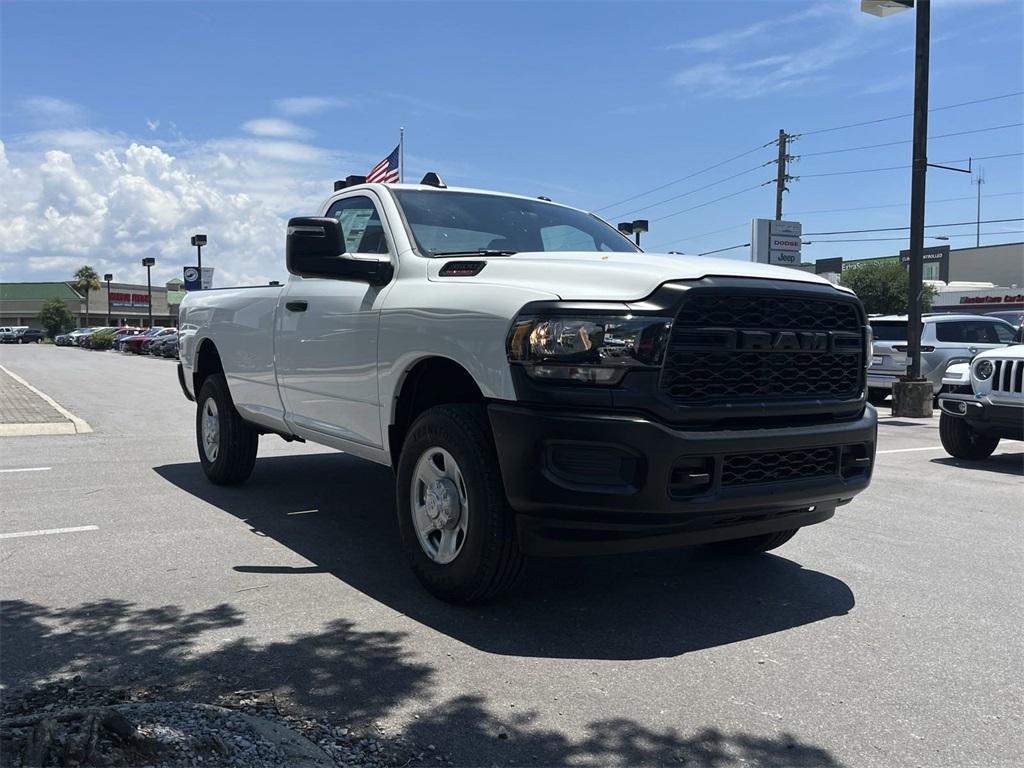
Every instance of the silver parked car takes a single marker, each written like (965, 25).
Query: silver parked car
(945, 339)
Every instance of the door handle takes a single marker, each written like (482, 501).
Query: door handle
(296, 306)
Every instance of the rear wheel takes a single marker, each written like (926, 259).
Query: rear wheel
(753, 545)
(457, 529)
(227, 443)
(962, 441)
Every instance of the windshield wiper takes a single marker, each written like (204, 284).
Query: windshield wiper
(478, 252)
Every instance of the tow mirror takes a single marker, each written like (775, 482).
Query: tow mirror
(316, 248)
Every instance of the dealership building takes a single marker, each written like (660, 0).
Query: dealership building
(129, 304)
(996, 270)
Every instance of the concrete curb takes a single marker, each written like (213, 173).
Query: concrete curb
(73, 426)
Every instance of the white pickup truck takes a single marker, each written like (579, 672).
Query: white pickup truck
(539, 384)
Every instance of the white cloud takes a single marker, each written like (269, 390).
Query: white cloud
(47, 109)
(308, 105)
(274, 126)
(152, 124)
(109, 204)
(812, 42)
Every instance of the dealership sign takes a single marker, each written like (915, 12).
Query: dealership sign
(775, 242)
(128, 299)
(1006, 299)
(196, 279)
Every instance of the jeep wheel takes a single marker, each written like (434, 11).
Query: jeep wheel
(457, 530)
(227, 443)
(753, 545)
(961, 441)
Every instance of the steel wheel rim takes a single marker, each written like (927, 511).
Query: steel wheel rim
(440, 505)
(211, 430)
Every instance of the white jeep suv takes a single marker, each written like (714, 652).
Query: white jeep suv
(983, 402)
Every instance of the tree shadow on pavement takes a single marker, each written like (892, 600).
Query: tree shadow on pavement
(349, 675)
(625, 607)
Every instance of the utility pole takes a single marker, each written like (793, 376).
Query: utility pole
(977, 232)
(782, 172)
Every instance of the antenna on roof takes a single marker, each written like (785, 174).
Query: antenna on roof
(431, 179)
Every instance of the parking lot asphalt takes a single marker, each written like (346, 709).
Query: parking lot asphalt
(887, 636)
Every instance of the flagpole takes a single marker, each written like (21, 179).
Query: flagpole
(401, 155)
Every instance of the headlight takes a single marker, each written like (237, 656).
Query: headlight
(596, 349)
(983, 369)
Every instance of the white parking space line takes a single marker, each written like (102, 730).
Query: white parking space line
(27, 469)
(49, 531)
(933, 448)
(910, 450)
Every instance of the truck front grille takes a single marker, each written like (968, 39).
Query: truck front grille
(752, 468)
(1008, 376)
(740, 347)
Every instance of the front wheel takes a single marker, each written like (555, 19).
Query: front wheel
(457, 529)
(753, 545)
(227, 443)
(962, 441)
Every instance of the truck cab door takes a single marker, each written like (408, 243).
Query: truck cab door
(326, 338)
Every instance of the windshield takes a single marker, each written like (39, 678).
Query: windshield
(889, 331)
(445, 223)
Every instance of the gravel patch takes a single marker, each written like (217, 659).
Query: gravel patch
(72, 724)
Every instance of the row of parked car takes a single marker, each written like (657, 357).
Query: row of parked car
(157, 341)
(19, 334)
(946, 339)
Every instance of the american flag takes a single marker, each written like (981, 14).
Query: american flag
(386, 171)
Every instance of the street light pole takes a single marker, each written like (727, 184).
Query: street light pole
(199, 241)
(912, 395)
(917, 188)
(148, 263)
(107, 278)
(640, 225)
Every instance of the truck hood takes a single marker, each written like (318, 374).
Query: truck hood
(610, 276)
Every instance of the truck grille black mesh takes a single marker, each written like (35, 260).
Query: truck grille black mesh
(751, 468)
(704, 363)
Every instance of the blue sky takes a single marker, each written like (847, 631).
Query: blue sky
(128, 126)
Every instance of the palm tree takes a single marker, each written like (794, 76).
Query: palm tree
(87, 280)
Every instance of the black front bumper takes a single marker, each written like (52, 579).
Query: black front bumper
(604, 482)
(1003, 421)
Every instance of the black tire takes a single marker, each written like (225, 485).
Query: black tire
(877, 396)
(963, 442)
(753, 545)
(489, 561)
(237, 439)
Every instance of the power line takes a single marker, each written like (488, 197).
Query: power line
(684, 178)
(716, 200)
(903, 167)
(693, 238)
(692, 191)
(904, 239)
(899, 229)
(719, 250)
(911, 114)
(908, 141)
(886, 205)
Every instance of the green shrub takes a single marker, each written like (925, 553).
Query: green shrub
(101, 340)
